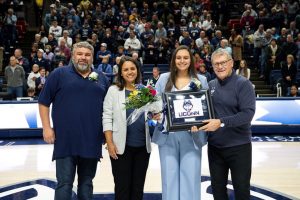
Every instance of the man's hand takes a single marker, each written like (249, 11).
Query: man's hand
(212, 125)
(49, 135)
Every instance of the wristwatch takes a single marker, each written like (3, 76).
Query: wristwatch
(222, 124)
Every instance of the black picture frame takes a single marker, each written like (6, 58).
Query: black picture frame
(187, 108)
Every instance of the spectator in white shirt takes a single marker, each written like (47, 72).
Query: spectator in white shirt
(34, 74)
(224, 44)
(132, 43)
(69, 41)
(199, 41)
(55, 29)
(253, 13)
(243, 70)
(186, 10)
(10, 21)
(206, 25)
(160, 31)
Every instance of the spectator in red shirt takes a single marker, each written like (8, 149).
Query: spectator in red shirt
(248, 21)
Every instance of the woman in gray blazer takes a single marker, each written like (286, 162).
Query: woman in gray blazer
(129, 147)
(180, 152)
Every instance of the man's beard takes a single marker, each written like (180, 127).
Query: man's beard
(82, 68)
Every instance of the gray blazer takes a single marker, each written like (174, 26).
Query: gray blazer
(114, 118)
(199, 138)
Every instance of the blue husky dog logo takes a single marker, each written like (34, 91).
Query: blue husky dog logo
(187, 105)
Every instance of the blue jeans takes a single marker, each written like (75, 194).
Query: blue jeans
(16, 91)
(65, 173)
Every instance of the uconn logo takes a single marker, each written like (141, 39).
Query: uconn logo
(188, 106)
(43, 189)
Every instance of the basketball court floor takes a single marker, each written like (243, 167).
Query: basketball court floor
(27, 172)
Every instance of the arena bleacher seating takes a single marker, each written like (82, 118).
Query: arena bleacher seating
(227, 18)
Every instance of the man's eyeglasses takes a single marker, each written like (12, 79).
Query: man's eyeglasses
(222, 64)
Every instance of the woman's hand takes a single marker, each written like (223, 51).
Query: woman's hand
(156, 117)
(194, 129)
(112, 150)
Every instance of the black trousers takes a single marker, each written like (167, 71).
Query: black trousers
(238, 160)
(129, 172)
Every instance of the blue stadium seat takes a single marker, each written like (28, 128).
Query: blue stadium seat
(147, 72)
(148, 67)
(146, 76)
(163, 68)
(275, 77)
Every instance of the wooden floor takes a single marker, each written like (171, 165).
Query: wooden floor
(276, 167)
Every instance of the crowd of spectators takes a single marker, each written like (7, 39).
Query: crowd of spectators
(151, 30)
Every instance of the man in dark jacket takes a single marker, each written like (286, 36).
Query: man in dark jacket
(229, 139)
